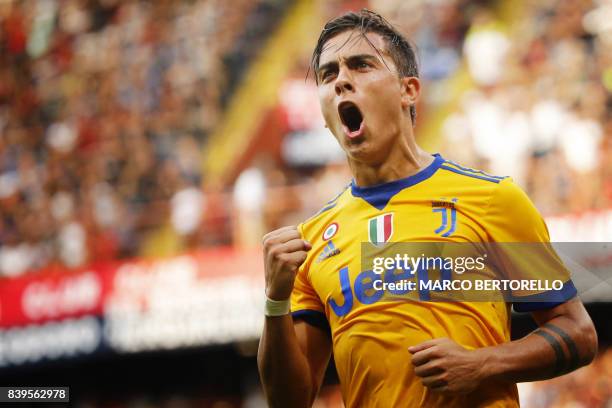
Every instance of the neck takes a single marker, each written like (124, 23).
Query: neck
(402, 160)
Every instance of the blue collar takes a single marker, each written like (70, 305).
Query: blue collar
(379, 195)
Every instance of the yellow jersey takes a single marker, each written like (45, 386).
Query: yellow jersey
(444, 202)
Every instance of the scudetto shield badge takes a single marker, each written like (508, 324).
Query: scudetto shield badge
(380, 228)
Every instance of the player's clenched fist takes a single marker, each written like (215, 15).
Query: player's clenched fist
(284, 252)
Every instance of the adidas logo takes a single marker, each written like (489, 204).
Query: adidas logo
(329, 251)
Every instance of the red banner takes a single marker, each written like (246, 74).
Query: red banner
(48, 295)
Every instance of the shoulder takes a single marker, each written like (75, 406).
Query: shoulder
(506, 212)
(512, 217)
(327, 211)
(482, 188)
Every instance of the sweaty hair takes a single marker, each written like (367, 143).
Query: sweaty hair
(366, 21)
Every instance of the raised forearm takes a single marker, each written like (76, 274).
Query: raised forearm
(283, 367)
(557, 347)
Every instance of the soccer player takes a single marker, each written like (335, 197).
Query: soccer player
(400, 353)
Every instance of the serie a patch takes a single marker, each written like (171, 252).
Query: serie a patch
(443, 204)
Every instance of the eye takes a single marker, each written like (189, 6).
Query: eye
(361, 65)
(326, 75)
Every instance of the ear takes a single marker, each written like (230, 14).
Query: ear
(410, 91)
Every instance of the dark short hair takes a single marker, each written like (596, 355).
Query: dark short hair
(366, 21)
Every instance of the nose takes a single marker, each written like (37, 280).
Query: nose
(343, 83)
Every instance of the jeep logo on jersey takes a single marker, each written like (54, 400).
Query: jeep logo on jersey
(380, 228)
(330, 231)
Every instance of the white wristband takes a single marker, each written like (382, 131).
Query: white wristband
(277, 307)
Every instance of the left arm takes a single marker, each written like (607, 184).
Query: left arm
(564, 341)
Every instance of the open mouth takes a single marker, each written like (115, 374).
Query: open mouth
(351, 117)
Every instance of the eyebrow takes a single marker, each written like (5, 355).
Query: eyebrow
(351, 59)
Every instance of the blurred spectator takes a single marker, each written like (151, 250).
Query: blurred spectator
(248, 203)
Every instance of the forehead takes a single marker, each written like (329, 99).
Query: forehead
(351, 42)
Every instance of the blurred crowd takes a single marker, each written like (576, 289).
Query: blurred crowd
(106, 105)
(540, 104)
(588, 387)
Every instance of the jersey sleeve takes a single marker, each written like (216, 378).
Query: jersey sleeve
(521, 242)
(305, 303)
(303, 296)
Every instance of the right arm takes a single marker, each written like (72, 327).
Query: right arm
(292, 356)
(292, 361)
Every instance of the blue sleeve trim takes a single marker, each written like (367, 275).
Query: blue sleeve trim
(313, 318)
(545, 300)
(492, 179)
(470, 170)
(326, 208)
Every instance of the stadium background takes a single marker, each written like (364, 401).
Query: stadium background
(145, 147)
